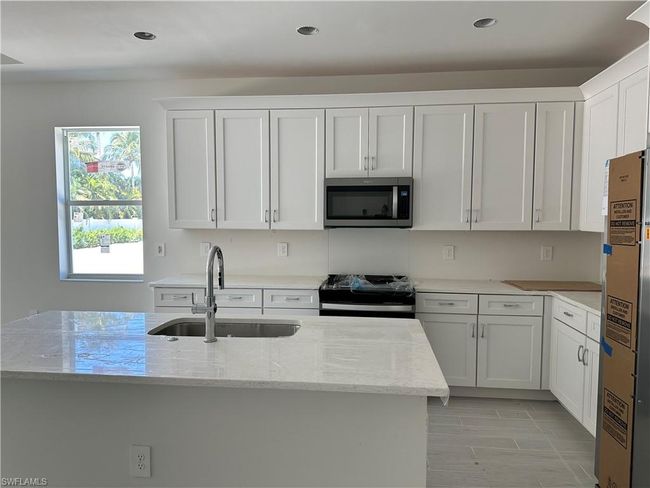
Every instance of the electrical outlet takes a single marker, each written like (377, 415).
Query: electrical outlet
(547, 253)
(283, 249)
(204, 248)
(140, 462)
(160, 249)
(448, 253)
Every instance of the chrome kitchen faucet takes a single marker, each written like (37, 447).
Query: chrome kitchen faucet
(209, 308)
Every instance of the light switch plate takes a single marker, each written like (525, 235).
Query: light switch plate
(283, 249)
(161, 249)
(204, 248)
(547, 253)
(448, 253)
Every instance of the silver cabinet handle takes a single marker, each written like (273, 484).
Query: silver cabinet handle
(235, 297)
(580, 348)
(446, 304)
(538, 212)
(178, 297)
(482, 331)
(568, 314)
(266, 215)
(373, 163)
(584, 357)
(473, 330)
(275, 215)
(475, 211)
(467, 212)
(292, 299)
(365, 163)
(212, 214)
(510, 305)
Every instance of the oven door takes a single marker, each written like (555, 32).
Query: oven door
(367, 310)
(368, 202)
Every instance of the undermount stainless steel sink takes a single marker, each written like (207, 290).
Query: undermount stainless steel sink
(231, 327)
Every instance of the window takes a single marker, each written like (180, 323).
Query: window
(99, 182)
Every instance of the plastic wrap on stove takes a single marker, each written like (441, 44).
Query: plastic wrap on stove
(358, 282)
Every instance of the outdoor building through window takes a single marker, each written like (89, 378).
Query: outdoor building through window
(100, 202)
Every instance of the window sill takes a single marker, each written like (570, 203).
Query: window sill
(101, 279)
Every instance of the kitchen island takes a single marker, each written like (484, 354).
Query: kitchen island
(343, 402)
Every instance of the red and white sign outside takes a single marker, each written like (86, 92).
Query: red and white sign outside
(106, 166)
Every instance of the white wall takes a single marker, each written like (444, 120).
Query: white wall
(30, 279)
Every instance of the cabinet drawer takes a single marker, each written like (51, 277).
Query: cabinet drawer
(244, 298)
(229, 311)
(310, 312)
(570, 315)
(446, 303)
(522, 305)
(593, 326)
(291, 299)
(178, 297)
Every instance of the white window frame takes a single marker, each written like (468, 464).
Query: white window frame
(64, 203)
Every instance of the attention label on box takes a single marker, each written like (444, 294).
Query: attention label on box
(622, 223)
(615, 417)
(619, 320)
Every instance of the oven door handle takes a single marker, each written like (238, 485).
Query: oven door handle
(395, 189)
(366, 308)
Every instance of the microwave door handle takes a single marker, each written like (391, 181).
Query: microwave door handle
(395, 188)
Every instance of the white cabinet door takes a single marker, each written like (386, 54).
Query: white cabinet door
(190, 166)
(599, 145)
(590, 395)
(346, 144)
(632, 113)
(502, 191)
(297, 169)
(442, 167)
(390, 141)
(242, 169)
(453, 340)
(509, 352)
(567, 372)
(553, 166)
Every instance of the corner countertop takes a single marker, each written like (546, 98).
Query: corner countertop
(336, 354)
(243, 281)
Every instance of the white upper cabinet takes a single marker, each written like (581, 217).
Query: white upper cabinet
(632, 113)
(390, 141)
(297, 168)
(503, 166)
(190, 165)
(553, 166)
(369, 142)
(346, 146)
(599, 145)
(242, 141)
(442, 167)
(509, 352)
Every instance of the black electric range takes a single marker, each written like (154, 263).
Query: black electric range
(358, 295)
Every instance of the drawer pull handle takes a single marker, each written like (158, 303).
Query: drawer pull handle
(446, 304)
(292, 299)
(178, 297)
(473, 330)
(236, 297)
(568, 314)
(580, 356)
(510, 305)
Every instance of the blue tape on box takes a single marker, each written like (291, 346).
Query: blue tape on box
(605, 346)
(607, 249)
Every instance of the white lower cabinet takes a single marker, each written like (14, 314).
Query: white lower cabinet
(574, 372)
(302, 312)
(509, 351)
(453, 340)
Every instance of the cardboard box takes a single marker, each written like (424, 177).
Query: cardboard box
(618, 363)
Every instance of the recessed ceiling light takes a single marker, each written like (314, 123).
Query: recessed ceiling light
(307, 30)
(486, 22)
(145, 36)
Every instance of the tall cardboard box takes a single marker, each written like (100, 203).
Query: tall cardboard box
(619, 341)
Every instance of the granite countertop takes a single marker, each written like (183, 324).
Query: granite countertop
(196, 280)
(336, 354)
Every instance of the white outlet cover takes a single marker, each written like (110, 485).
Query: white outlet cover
(161, 249)
(204, 248)
(283, 249)
(547, 253)
(448, 253)
(140, 461)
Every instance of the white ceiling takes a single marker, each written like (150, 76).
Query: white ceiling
(94, 40)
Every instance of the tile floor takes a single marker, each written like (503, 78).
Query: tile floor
(482, 442)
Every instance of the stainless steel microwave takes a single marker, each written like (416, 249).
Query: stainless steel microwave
(369, 202)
